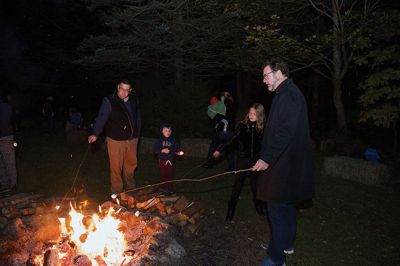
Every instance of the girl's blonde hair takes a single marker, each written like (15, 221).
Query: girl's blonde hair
(260, 116)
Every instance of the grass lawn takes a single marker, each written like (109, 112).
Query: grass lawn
(349, 223)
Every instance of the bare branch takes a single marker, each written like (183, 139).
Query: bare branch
(320, 10)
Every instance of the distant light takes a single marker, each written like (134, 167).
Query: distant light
(15, 144)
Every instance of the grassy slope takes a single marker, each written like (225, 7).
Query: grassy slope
(349, 224)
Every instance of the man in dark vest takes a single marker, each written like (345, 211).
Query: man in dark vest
(286, 160)
(119, 116)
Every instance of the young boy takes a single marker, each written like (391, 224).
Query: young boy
(166, 148)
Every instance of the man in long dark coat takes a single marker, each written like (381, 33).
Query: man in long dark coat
(286, 160)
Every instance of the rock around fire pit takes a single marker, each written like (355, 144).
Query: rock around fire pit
(31, 231)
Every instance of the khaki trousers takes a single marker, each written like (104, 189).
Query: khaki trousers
(123, 162)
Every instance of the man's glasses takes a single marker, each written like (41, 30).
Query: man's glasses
(266, 74)
(128, 90)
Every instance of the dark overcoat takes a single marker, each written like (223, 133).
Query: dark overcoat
(286, 147)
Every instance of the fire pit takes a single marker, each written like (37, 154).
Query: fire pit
(113, 235)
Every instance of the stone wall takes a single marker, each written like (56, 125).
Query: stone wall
(358, 170)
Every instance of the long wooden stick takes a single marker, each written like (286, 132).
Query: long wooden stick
(183, 180)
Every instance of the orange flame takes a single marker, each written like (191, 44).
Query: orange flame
(95, 236)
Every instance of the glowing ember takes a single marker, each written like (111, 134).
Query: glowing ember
(114, 196)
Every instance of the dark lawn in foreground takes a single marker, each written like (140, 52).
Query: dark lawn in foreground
(349, 223)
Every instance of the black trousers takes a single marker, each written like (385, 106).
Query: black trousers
(240, 178)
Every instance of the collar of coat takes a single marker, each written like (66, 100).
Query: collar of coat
(283, 86)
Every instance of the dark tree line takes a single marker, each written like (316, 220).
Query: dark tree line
(341, 52)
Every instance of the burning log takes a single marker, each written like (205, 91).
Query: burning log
(51, 258)
(7, 201)
(181, 204)
(148, 204)
(19, 199)
(10, 213)
(27, 208)
(160, 207)
(3, 221)
(128, 199)
(100, 261)
(27, 211)
(169, 199)
(82, 260)
(193, 212)
(38, 239)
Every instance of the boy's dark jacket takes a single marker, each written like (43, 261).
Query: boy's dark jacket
(163, 142)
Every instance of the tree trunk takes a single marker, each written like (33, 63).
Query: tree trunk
(395, 138)
(338, 103)
(178, 68)
(338, 65)
(178, 58)
(315, 101)
(240, 92)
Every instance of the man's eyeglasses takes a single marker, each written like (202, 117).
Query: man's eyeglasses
(266, 74)
(125, 90)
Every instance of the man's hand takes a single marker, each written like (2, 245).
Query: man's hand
(92, 138)
(165, 150)
(260, 166)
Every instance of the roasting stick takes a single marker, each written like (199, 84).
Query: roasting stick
(115, 195)
(77, 173)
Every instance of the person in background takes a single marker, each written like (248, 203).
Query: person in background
(213, 100)
(75, 117)
(8, 174)
(221, 141)
(230, 114)
(119, 117)
(285, 160)
(249, 135)
(166, 148)
(223, 120)
(371, 154)
(48, 115)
